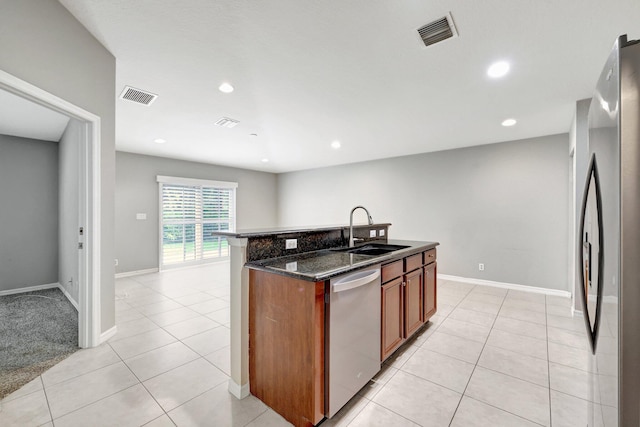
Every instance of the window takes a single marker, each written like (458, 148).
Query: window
(190, 210)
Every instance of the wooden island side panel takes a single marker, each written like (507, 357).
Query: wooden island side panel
(286, 345)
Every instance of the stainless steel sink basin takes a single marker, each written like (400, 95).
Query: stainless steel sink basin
(373, 249)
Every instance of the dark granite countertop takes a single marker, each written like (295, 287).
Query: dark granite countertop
(256, 232)
(327, 263)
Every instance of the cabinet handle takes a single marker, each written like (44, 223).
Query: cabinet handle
(404, 283)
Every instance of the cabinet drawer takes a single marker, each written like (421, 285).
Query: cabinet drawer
(429, 256)
(391, 271)
(412, 262)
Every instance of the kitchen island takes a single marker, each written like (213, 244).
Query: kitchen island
(287, 318)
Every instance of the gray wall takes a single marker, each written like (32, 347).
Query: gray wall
(504, 205)
(29, 212)
(43, 44)
(580, 145)
(137, 192)
(68, 178)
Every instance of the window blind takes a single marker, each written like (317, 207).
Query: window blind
(189, 214)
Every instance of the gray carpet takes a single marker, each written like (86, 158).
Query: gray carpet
(37, 330)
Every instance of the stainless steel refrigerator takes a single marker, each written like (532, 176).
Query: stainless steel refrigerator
(609, 240)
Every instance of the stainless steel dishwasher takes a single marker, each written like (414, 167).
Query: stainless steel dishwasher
(352, 347)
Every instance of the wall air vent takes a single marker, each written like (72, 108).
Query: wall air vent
(226, 122)
(138, 96)
(438, 30)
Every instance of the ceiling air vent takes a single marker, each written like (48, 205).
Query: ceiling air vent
(438, 30)
(226, 122)
(138, 96)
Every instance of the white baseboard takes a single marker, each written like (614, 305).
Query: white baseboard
(136, 273)
(108, 334)
(237, 390)
(504, 285)
(29, 289)
(40, 288)
(69, 297)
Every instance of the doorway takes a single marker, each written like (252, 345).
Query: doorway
(88, 164)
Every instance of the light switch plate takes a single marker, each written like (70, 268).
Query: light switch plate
(372, 233)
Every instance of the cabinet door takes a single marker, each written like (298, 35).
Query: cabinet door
(392, 317)
(430, 291)
(413, 302)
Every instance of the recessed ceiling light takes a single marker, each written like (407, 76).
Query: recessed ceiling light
(265, 160)
(335, 145)
(159, 141)
(509, 122)
(225, 88)
(498, 69)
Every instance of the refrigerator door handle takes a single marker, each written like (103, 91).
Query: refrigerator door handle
(591, 317)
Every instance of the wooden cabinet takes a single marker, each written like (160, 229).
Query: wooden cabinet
(430, 291)
(392, 316)
(413, 302)
(286, 345)
(408, 298)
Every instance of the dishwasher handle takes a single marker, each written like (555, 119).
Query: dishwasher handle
(355, 280)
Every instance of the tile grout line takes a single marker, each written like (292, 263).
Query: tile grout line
(464, 392)
(153, 397)
(161, 327)
(145, 388)
(91, 403)
(382, 406)
(46, 398)
(186, 345)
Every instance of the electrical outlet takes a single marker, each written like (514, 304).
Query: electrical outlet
(115, 262)
(291, 243)
(381, 233)
(292, 266)
(481, 267)
(141, 216)
(372, 233)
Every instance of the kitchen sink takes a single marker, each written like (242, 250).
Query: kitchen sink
(373, 249)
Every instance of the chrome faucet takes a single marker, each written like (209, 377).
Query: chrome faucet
(351, 239)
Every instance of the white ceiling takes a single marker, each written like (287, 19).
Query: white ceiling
(20, 117)
(307, 73)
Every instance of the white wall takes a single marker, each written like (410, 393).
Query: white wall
(43, 44)
(28, 212)
(137, 192)
(504, 205)
(68, 177)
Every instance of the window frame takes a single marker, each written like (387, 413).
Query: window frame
(191, 182)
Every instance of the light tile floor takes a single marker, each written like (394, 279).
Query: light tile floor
(490, 357)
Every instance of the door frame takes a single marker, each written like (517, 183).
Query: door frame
(89, 205)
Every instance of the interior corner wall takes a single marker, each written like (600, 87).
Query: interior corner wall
(504, 205)
(43, 44)
(69, 201)
(581, 161)
(29, 212)
(137, 241)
